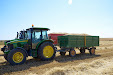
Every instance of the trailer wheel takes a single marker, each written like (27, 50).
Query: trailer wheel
(46, 51)
(72, 53)
(16, 57)
(5, 56)
(62, 53)
(82, 51)
(92, 51)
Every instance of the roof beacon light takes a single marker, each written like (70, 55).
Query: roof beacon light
(32, 25)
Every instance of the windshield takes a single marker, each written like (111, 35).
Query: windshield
(36, 36)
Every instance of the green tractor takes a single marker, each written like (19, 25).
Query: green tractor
(32, 42)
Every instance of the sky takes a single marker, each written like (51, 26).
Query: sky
(93, 17)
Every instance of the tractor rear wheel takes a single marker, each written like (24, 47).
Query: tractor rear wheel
(46, 51)
(72, 53)
(16, 57)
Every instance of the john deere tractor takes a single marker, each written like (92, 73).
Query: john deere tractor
(34, 42)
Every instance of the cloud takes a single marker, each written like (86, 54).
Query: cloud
(69, 2)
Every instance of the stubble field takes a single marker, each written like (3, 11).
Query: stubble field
(82, 64)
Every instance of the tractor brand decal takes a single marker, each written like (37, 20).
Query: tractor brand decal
(18, 41)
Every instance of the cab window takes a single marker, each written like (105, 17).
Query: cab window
(36, 36)
(44, 35)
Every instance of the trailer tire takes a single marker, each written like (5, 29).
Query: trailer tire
(72, 53)
(92, 51)
(16, 57)
(46, 51)
(62, 53)
(82, 51)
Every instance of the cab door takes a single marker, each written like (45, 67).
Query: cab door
(36, 38)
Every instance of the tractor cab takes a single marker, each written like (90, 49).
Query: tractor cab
(36, 35)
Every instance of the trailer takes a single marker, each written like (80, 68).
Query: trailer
(68, 43)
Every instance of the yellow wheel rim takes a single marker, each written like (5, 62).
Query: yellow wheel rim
(72, 52)
(18, 57)
(48, 51)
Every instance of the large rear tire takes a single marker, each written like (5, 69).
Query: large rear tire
(46, 51)
(16, 57)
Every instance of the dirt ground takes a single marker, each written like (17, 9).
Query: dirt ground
(82, 64)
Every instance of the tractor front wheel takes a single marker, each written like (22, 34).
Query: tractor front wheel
(46, 51)
(16, 57)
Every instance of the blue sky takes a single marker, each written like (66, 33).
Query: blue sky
(94, 17)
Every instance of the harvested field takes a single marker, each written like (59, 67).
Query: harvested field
(1, 42)
(82, 64)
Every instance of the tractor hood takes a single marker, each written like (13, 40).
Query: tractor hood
(17, 43)
(6, 42)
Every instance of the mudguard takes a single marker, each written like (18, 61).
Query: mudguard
(23, 50)
(43, 42)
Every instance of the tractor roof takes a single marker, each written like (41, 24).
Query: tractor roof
(38, 28)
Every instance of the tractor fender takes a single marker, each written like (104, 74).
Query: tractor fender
(43, 42)
(23, 50)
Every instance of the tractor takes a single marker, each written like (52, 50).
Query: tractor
(32, 42)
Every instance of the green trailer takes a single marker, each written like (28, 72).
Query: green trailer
(69, 42)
